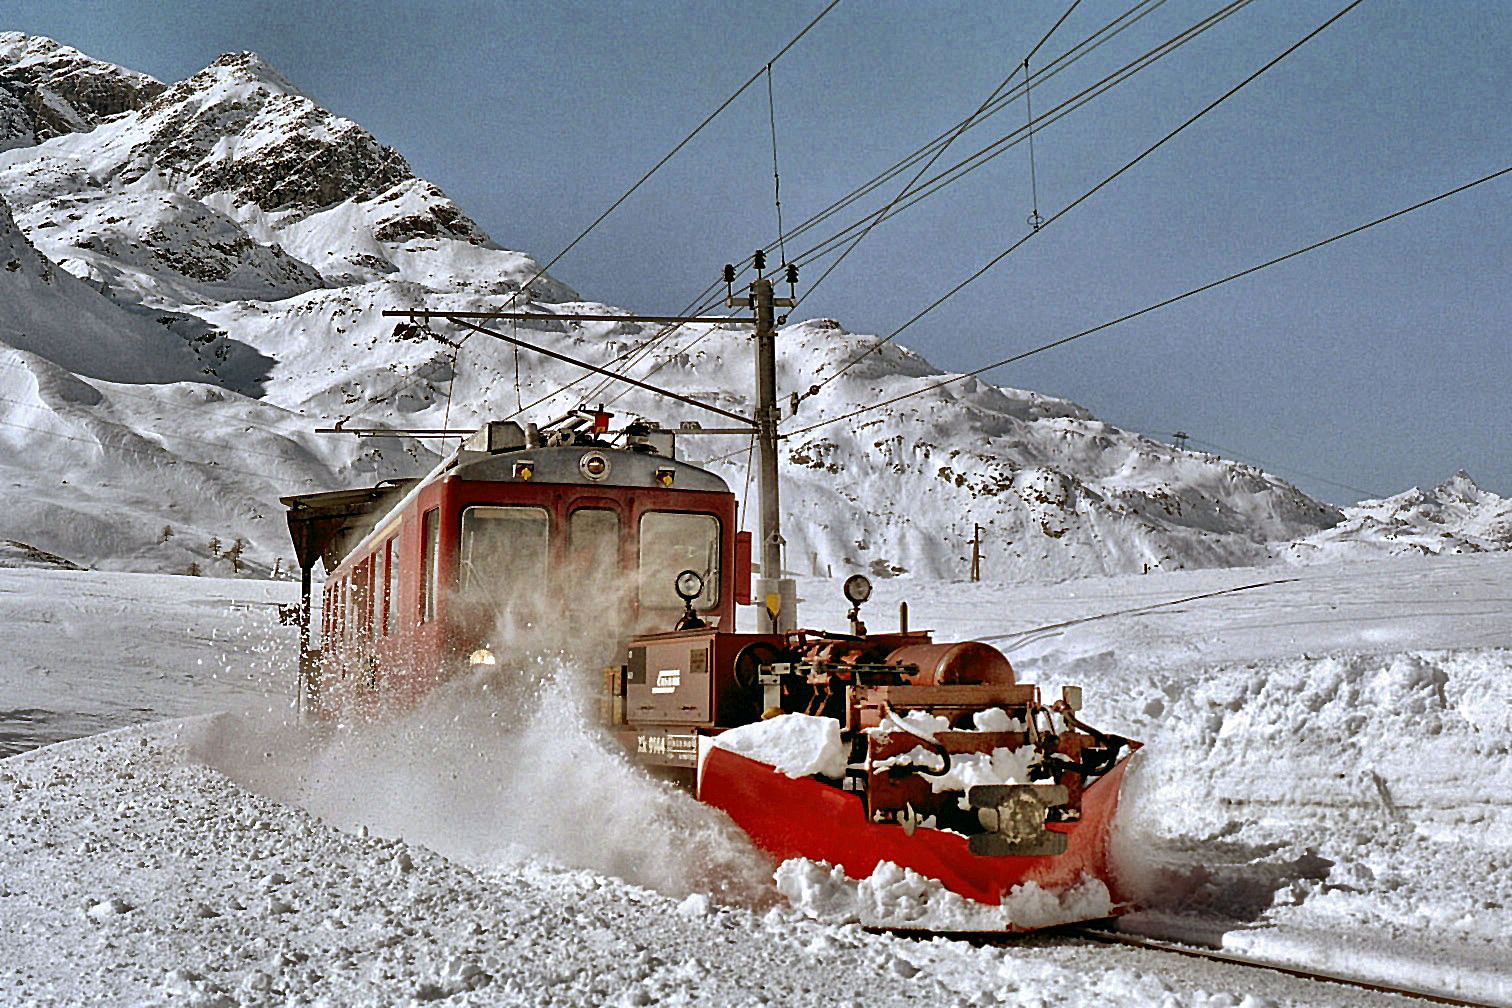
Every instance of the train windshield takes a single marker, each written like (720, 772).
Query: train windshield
(504, 552)
(670, 543)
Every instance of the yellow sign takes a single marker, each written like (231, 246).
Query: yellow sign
(773, 603)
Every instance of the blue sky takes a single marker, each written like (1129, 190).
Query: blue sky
(1378, 363)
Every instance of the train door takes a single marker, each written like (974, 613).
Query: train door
(667, 543)
(596, 584)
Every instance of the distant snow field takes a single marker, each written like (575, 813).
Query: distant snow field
(1315, 790)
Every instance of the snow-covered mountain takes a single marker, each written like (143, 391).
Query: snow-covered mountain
(1454, 517)
(191, 280)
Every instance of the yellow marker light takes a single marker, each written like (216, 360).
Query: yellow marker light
(482, 656)
(524, 470)
(773, 603)
(666, 476)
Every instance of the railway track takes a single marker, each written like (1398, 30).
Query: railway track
(1214, 955)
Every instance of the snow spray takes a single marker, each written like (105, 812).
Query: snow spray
(499, 767)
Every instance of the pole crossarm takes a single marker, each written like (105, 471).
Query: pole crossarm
(461, 320)
(382, 432)
(425, 315)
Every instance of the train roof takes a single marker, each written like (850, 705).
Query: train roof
(329, 526)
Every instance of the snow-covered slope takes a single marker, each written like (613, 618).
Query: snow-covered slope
(227, 234)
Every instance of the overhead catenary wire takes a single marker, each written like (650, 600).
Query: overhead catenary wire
(1152, 148)
(627, 360)
(1017, 135)
(940, 149)
(1149, 308)
(1267, 467)
(776, 176)
(1105, 34)
(1128, 18)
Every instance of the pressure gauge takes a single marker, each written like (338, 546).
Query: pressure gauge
(857, 588)
(689, 585)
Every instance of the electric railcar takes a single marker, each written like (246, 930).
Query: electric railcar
(513, 532)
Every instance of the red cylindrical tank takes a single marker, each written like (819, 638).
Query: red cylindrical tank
(962, 663)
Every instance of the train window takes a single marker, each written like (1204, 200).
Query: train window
(504, 551)
(593, 543)
(379, 589)
(670, 543)
(430, 563)
(391, 590)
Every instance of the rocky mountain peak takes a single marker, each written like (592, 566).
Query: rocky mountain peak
(48, 89)
(1458, 487)
(250, 68)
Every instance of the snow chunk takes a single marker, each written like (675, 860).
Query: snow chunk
(920, 723)
(900, 897)
(794, 744)
(996, 719)
(694, 905)
(1001, 766)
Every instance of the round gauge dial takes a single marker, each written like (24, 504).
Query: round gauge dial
(689, 585)
(857, 588)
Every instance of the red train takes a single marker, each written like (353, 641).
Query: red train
(932, 756)
(515, 528)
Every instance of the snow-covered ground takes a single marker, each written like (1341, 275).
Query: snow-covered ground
(1326, 782)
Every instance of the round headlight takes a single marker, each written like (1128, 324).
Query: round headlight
(594, 465)
(857, 588)
(482, 656)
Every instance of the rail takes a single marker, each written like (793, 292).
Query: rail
(1213, 955)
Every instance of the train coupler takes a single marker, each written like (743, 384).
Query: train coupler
(1014, 817)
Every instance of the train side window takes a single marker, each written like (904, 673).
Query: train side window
(670, 543)
(379, 589)
(593, 545)
(504, 551)
(391, 585)
(430, 563)
(353, 618)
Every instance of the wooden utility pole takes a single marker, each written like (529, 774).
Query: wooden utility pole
(976, 552)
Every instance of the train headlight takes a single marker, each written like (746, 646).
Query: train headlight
(482, 656)
(666, 475)
(523, 470)
(594, 465)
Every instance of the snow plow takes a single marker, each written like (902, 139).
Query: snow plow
(883, 752)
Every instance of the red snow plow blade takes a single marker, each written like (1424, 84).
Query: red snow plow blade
(806, 818)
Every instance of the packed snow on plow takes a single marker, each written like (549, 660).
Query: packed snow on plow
(900, 782)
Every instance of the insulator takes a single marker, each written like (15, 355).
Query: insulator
(792, 273)
(729, 273)
(759, 260)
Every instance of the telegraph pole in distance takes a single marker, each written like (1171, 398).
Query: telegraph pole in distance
(778, 594)
(976, 552)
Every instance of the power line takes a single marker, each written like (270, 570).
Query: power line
(1158, 305)
(1130, 17)
(1287, 469)
(1124, 21)
(1089, 193)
